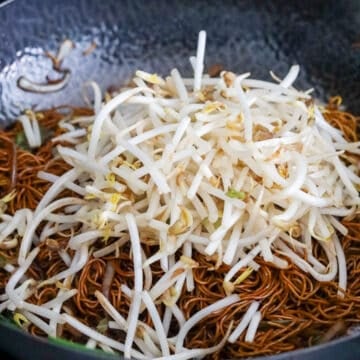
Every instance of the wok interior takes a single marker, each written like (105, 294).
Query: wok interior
(273, 43)
(244, 36)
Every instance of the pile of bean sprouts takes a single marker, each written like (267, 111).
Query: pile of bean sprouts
(168, 177)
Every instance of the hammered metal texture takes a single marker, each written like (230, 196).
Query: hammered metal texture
(255, 36)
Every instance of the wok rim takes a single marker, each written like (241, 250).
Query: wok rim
(288, 355)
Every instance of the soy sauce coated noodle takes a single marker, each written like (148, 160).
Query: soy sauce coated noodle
(297, 310)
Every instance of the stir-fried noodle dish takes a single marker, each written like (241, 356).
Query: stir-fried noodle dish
(180, 218)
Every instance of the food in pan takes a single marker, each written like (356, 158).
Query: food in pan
(183, 217)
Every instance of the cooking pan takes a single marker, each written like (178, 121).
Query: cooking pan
(114, 38)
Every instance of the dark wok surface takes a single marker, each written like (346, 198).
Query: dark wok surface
(255, 36)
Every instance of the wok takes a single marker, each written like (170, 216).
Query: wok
(322, 36)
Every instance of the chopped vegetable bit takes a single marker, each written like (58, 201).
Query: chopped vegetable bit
(3, 261)
(106, 234)
(218, 222)
(151, 78)
(20, 320)
(234, 194)
(102, 326)
(183, 224)
(8, 197)
(21, 141)
(214, 106)
(243, 276)
(111, 178)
